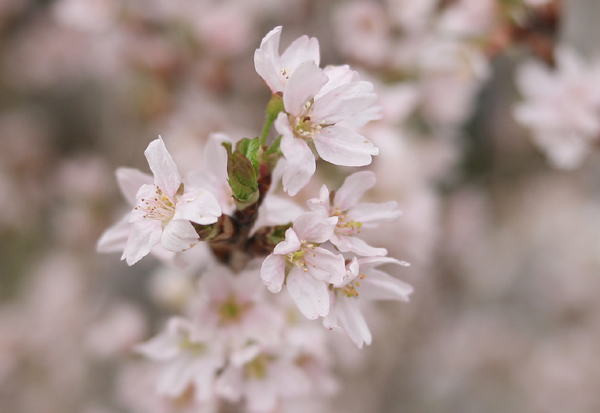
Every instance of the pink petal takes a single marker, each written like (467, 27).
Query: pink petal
(300, 162)
(166, 174)
(347, 243)
(378, 285)
(291, 243)
(130, 180)
(343, 102)
(325, 265)
(114, 238)
(309, 294)
(272, 272)
(301, 50)
(303, 85)
(266, 60)
(352, 321)
(313, 227)
(371, 262)
(143, 236)
(371, 214)
(230, 383)
(341, 146)
(353, 188)
(199, 206)
(321, 204)
(179, 235)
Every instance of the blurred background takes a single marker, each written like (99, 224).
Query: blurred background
(503, 237)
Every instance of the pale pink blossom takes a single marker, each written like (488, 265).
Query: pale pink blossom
(276, 70)
(561, 107)
(353, 216)
(163, 210)
(231, 309)
(367, 283)
(321, 106)
(309, 267)
(263, 382)
(188, 360)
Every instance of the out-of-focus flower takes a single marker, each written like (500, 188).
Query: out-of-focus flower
(562, 106)
(189, 361)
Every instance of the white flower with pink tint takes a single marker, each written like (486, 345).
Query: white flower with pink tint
(275, 70)
(189, 360)
(320, 107)
(353, 216)
(263, 382)
(561, 107)
(231, 309)
(164, 210)
(367, 283)
(310, 268)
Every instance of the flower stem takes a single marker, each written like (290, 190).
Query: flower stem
(274, 106)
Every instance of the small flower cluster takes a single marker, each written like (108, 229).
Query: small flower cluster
(233, 343)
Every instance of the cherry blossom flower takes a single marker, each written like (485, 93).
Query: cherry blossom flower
(353, 216)
(231, 309)
(162, 211)
(189, 360)
(320, 106)
(561, 107)
(263, 381)
(312, 267)
(367, 283)
(276, 70)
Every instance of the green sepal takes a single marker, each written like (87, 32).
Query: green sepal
(250, 149)
(242, 180)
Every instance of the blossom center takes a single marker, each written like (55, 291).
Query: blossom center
(349, 290)
(297, 257)
(194, 347)
(157, 205)
(230, 311)
(257, 368)
(303, 125)
(345, 225)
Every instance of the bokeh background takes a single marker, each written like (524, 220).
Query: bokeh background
(504, 247)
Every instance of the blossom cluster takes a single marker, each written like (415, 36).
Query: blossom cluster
(225, 223)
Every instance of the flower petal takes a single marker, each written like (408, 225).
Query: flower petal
(303, 85)
(341, 146)
(272, 272)
(130, 180)
(114, 238)
(343, 102)
(370, 214)
(320, 205)
(199, 206)
(313, 227)
(300, 162)
(309, 294)
(378, 285)
(143, 236)
(166, 174)
(353, 189)
(346, 243)
(301, 50)
(352, 320)
(179, 235)
(266, 60)
(291, 243)
(325, 265)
